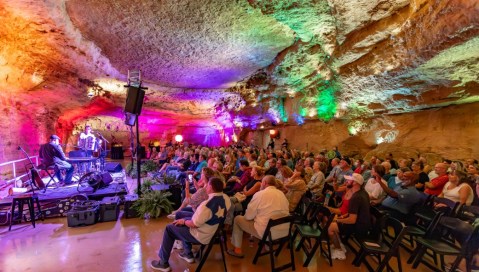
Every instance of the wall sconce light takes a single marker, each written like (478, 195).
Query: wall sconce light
(179, 138)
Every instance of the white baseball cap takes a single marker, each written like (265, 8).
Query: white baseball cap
(356, 177)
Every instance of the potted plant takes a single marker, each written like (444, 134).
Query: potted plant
(153, 204)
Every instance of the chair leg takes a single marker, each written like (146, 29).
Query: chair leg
(310, 255)
(300, 244)
(12, 214)
(258, 251)
(413, 255)
(31, 210)
(223, 255)
(204, 256)
(456, 263)
(419, 256)
(271, 257)
(399, 260)
(291, 252)
(278, 250)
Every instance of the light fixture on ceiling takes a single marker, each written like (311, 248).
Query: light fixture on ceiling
(95, 90)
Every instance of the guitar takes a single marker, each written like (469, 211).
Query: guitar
(34, 174)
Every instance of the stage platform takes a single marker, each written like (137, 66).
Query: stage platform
(67, 192)
(116, 188)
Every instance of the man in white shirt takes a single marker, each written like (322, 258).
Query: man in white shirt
(267, 203)
(87, 140)
(198, 229)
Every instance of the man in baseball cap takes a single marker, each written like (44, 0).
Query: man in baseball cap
(51, 154)
(357, 221)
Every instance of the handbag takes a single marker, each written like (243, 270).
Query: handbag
(240, 197)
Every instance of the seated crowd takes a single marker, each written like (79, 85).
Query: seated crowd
(245, 187)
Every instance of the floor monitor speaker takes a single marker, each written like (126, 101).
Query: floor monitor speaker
(113, 167)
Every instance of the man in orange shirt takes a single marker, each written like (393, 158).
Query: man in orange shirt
(434, 187)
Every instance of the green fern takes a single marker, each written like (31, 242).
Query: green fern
(153, 203)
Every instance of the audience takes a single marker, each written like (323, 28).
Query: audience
(434, 187)
(296, 187)
(198, 229)
(457, 189)
(402, 199)
(267, 203)
(276, 190)
(357, 221)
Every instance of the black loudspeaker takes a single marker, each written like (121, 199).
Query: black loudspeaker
(106, 179)
(130, 119)
(134, 100)
(113, 167)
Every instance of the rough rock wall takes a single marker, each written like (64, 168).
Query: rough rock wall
(451, 132)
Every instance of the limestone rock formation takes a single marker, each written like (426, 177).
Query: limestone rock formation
(213, 67)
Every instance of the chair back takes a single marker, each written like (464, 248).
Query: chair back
(276, 222)
(461, 231)
(320, 213)
(398, 231)
(452, 206)
(378, 223)
(468, 213)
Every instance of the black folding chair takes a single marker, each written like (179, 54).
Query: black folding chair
(463, 245)
(268, 241)
(468, 213)
(313, 229)
(218, 238)
(387, 245)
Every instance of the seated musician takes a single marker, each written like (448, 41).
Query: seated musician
(52, 154)
(88, 141)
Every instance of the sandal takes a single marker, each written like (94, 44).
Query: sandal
(234, 254)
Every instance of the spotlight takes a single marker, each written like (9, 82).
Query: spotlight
(178, 138)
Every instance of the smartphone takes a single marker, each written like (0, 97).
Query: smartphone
(190, 177)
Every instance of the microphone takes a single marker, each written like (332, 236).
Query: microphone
(19, 148)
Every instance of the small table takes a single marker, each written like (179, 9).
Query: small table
(117, 152)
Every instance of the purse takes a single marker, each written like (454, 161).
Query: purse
(240, 197)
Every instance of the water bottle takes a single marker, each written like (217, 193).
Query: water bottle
(326, 199)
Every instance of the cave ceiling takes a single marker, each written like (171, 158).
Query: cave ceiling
(237, 62)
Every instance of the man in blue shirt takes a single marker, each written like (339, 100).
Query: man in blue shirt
(199, 229)
(402, 199)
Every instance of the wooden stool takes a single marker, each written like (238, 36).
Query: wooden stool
(20, 200)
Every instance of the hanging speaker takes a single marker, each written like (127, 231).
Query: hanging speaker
(130, 119)
(134, 100)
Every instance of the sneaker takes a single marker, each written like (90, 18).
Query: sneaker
(338, 254)
(178, 245)
(187, 257)
(158, 265)
(171, 215)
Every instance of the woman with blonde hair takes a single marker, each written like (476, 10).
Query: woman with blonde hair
(296, 187)
(457, 189)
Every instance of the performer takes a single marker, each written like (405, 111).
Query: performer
(52, 154)
(88, 141)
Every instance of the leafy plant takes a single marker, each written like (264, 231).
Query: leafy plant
(146, 185)
(153, 203)
(145, 167)
(170, 179)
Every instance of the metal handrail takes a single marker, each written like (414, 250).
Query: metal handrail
(15, 177)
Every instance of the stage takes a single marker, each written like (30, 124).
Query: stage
(54, 200)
